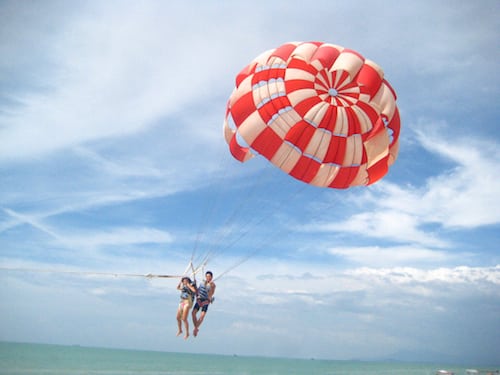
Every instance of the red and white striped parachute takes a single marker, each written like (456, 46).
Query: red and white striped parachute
(322, 113)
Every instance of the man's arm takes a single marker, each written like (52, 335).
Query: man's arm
(212, 291)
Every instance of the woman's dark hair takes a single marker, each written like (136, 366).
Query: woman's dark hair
(209, 273)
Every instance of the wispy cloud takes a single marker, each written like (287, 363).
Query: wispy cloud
(109, 86)
(486, 276)
(465, 195)
(138, 167)
(391, 256)
(392, 225)
(120, 237)
(33, 221)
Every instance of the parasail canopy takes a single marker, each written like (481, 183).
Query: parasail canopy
(320, 112)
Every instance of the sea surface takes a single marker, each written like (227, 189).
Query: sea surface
(42, 359)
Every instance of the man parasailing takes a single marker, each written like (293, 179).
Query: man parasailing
(204, 297)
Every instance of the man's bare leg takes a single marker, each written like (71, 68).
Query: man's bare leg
(198, 323)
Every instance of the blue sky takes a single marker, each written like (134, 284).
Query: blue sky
(112, 160)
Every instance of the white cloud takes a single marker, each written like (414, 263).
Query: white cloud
(466, 196)
(119, 237)
(95, 239)
(112, 85)
(341, 305)
(407, 275)
(391, 225)
(137, 167)
(31, 220)
(375, 256)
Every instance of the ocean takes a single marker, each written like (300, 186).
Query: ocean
(43, 359)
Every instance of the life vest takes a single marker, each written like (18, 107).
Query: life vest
(203, 292)
(186, 293)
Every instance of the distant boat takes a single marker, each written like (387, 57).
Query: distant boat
(445, 372)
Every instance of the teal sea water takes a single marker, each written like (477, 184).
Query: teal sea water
(24, 359)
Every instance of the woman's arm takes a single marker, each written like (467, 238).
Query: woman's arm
(192, 287)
